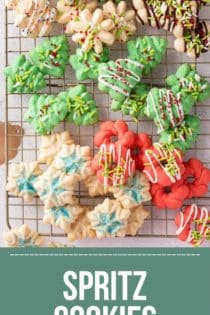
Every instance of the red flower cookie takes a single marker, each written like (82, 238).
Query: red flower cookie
(113, 164)
(163, 164)
(192, 215)
(119, 130)
(197, 178)
(169, 197)
(142, 143)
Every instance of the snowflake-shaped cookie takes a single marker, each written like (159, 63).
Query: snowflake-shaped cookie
(136, 220)
(51, 145)
(95, 188)
(22, 237)
(54, 189)
(62, 216)
(22, 178)
(135, 192)
(74, 161)
(109, 219)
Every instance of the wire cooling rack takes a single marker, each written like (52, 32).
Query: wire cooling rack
(160, 223)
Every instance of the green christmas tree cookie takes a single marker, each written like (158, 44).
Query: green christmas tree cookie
(51, 56)
(45, 113)
(183, 136)
(187, 80)
(119, 77)
(148, 50)
(86, 64)
(81, 107)
(24, 77)
(135, 104)
(166, 108)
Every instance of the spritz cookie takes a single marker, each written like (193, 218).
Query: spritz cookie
(22, 237)
(52, 144)
(136, 220)
(22, 178)
(109, 219)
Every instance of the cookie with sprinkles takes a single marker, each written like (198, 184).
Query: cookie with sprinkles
(86, 64)
(24, 77)
(81, 107)
(51, 56)
(188, 80)
(119, 77)
(184, 135)
(147, 50)
(45, 113)
(166, 108)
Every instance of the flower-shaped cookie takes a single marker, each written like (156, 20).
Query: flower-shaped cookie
(115, 132)
(163, 164)
(183, 136)
(74, 161)
(197, 178)
(166, 108)
(45, 113)
(24, 77)
(81, 228)
(62, 216)
(34, 18)
(193, 216)
(94, 30)
(51, 56)
(134, 193)
(142, 143)
(82, 109)
(109, 219)
(54, 189)
(113, 165)
(52, 144)
(136, 220)
(22, 237)
(169, 197)
(69, 12)
(123, 19)
(22, 178)
(86, 63)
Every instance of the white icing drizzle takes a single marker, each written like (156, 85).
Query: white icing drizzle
(163, 154)
(195, 214)
(122, 76)
(108, 156)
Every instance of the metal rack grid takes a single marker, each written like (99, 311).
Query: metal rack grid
(160, 223)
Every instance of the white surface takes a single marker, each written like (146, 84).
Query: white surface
(125, 242)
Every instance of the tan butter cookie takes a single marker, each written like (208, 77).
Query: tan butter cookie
(52, 144)
(136, 220)
(63, 216)
(69, 11)
(135, 192)
(123, 19)
(33, 17)
(81, 228)
(109, 219)
(95, 188)
(22, 179)
(22, 237)
(54, 188)
(94, 30)
(74, 160)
